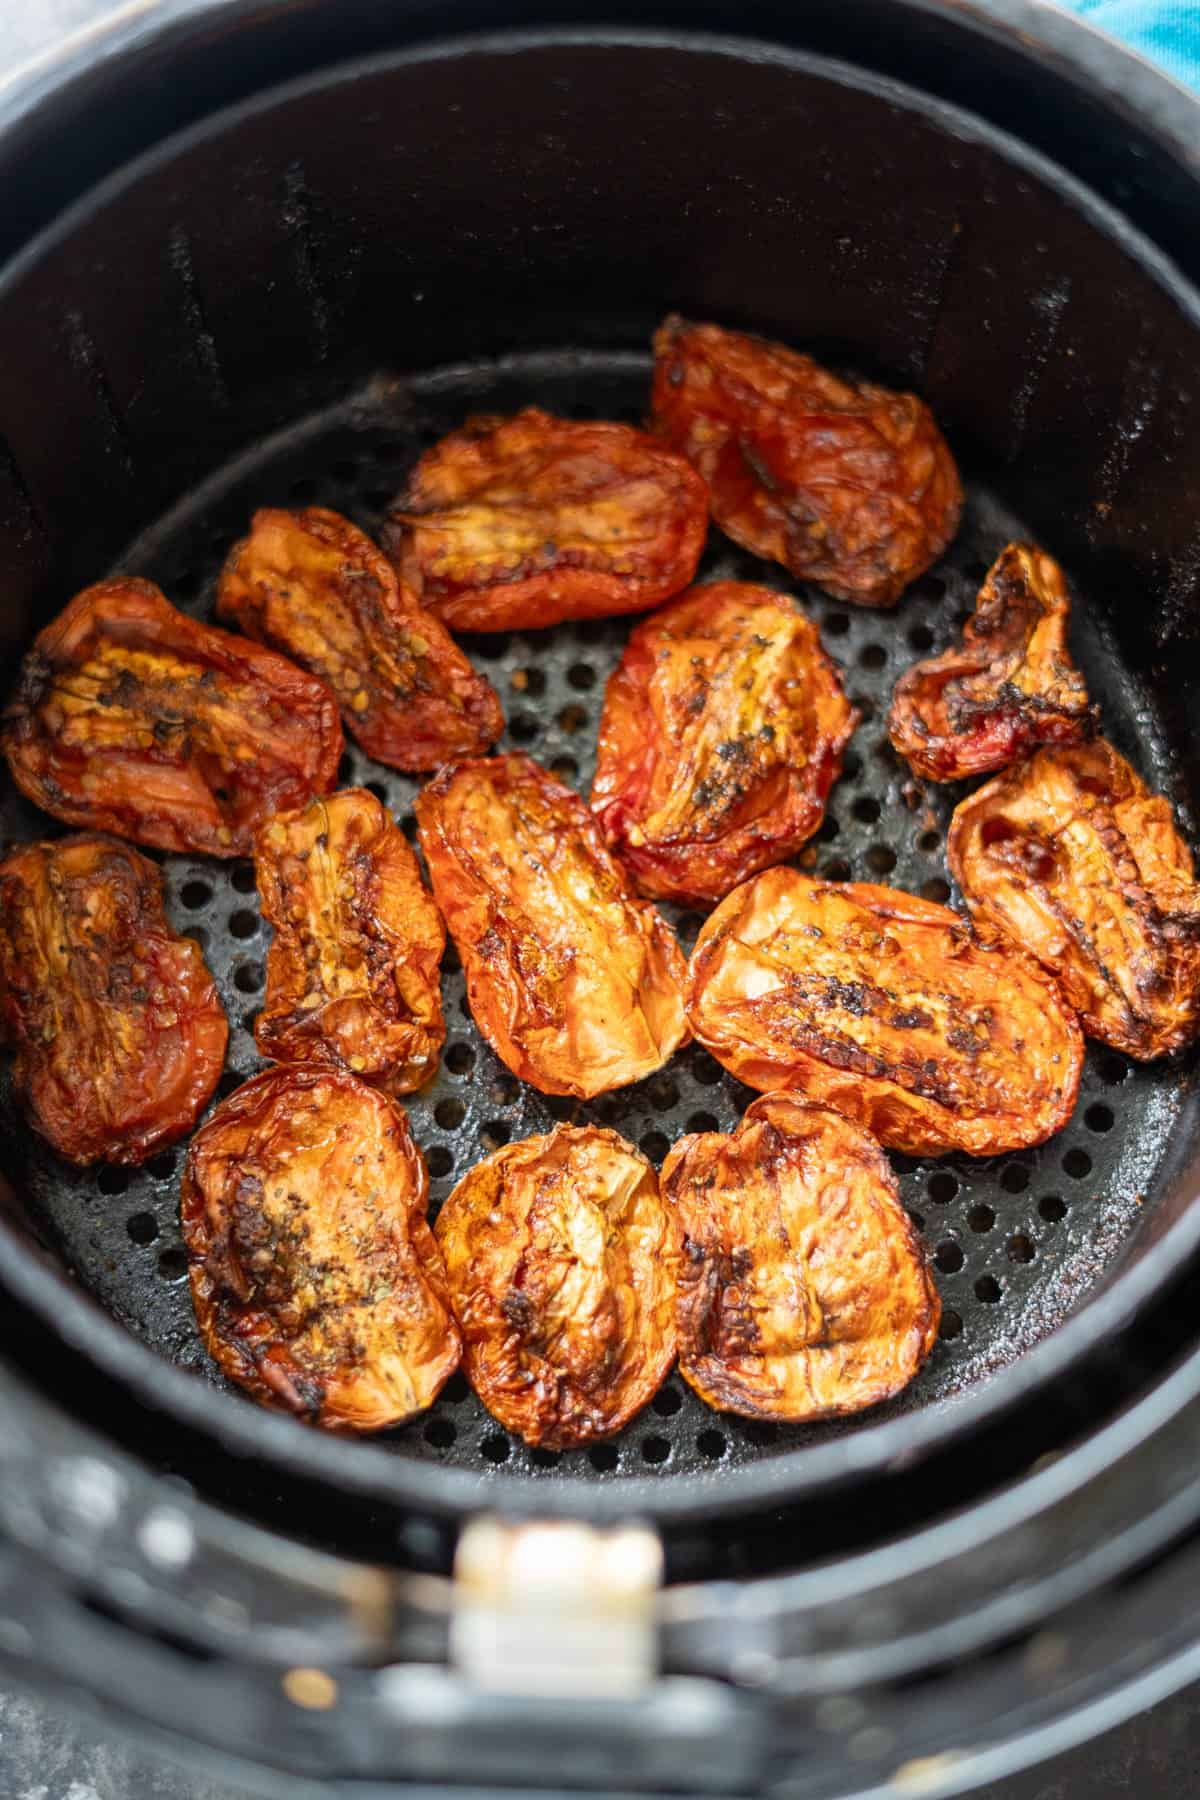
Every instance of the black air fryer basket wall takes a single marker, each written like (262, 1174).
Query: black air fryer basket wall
(368, 223)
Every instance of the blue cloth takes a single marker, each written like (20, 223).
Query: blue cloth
(1164, 31)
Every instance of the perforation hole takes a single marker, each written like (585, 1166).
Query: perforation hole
(451, 960)
(951, 1325)
(504, 1088)
(542, 1458)
(172, 1264)
(711, 1444)
(1052, 1208)
(456, 1390)
(930, 842)
(654, 1145)
(988, 1289)
(195, 894)
(880, 859)
(162, 1166)
(565, 767)
(1098, 1118)
(836, 869)
(1020, 1248)
(199, 936)
(490, 645)
(837, 624)
(142, 1228)
(460, 1059)
(581, 676)
(828, 831)
(379, 789)
(450, 1114)
(530, 681)
(243, 923)
(572, 718)
(867, 809)
(524, 728)
(438, 1160)
(604, 1458)
(872, 656)
(949, 1257)
(242, 877)
(248, 977)
(112, 1181)
(936, 890)
(920, 639)
(942, 1187)
(667, 1402)
(1014, 1179)
(655, 1450)
(1077, 1164)
(701, 1121)
(706, 1072)
(1113, 1069)
(440, 1434)
(495, 1449)
(981, 1218)
(495, 1134)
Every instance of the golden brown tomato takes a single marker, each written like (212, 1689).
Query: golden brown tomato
(353, 976)
(846, 484)
(512, 523)
(132, 717)
(317, 1283)
(723, 731)
(561, 1266)
(314, 586)
(1008, 686)
(1072, 857)
(118, 1030)
(803, 1287)
(887, 1009)
(575, 984)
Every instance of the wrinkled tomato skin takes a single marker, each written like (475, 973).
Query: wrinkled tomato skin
(1072, 857)
(575, 983)
(846, 484)
(131, 717)
(514, 523)
(353, 971)
(119, 1033)
(313, 586)
(887, 1009)
(561, 1264)
(1007, 687)
(317, 1283)
(803, 1288)
(723, 731)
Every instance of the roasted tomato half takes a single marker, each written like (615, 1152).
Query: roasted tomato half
(803, 1288)
(1008, 686)
(316, 1280)
(561, 1267)
(513, 523)
(353, 976)
(118, 1030)
(314, 586)
(846, 484)
(1070, 856)
(722, 734)
(887, 1009)
(132, 717)
(575, 984)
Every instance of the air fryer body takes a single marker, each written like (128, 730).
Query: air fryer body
(265, 252)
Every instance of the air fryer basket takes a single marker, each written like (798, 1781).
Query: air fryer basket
(285, 302)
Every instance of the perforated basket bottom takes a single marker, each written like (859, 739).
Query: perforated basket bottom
(1016, 1241)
